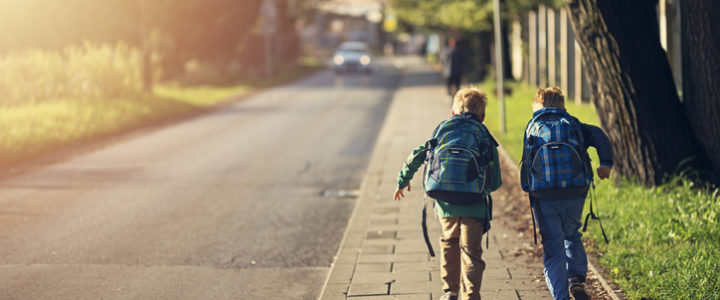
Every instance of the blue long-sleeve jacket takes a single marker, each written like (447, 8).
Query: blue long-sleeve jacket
(595, 136)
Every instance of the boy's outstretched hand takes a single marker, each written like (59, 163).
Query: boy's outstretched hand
(399, 193)
(603, 172)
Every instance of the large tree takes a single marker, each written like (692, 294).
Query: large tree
(701, 72)
(633, 89)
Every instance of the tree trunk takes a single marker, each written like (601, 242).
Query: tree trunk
(633, 89)
(701, 72)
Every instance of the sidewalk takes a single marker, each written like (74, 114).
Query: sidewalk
(383, 255)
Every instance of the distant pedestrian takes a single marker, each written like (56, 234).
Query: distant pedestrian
(556, 172)
(462, 169)
(453, 63)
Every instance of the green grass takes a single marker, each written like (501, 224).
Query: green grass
(664, 241)
(200, 96)
(37, 128)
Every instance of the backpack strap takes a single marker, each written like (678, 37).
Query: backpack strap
(424, 227)
(488, 210)
(429, 145)
(534, 203)
(532, 216)
(525, 160)
(592, 215)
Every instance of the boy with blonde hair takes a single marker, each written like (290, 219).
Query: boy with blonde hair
(462, 170)
(556, 173)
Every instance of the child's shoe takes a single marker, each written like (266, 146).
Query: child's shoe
(449, 296)
(577, 289)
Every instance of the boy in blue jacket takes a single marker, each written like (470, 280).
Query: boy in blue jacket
(559, 217)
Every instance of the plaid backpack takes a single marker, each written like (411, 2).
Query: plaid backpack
(556, 165)
(460, 165)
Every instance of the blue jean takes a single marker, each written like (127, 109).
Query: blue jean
(564, 254)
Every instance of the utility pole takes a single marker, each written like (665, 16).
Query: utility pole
(499, 64)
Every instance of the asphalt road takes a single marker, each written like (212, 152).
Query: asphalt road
(229, 205)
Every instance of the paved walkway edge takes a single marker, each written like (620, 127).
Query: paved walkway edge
(351, 223)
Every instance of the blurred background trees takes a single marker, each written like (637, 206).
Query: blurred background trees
(220, 35)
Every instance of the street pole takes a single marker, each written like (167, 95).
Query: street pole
(499, 64)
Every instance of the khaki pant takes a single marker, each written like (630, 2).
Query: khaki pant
(461, 259)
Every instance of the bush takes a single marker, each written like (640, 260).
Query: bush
(78, 72)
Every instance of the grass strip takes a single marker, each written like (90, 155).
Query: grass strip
(665, 241)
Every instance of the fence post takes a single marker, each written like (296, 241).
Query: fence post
(551, 47)
(564, 53)
(532, 51)
(542, 45)
(578, 73)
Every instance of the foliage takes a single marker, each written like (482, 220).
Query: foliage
(469, 15)
(664, 241)
(466, 15)
(214, 31)
(82, 72)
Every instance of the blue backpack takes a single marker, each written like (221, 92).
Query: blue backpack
(460, 161)
(555, 165)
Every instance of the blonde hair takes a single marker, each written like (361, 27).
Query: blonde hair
(550, 97)
(470, 100)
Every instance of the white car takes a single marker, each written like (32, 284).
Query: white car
(352, 56)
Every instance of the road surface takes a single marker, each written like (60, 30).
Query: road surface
(241, 203)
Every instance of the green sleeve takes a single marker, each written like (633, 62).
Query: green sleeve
(411, 165)
(494, 170)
